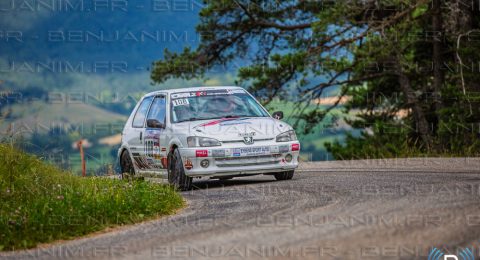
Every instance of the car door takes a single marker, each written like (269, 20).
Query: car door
(155, 143)
(135, 135)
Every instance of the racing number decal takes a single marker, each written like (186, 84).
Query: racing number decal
(180, 102)
(151, 147)
(152, 151)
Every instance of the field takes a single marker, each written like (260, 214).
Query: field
(61, 112)
(51, 129)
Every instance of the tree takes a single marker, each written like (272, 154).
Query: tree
(302, 48)
(440, 117)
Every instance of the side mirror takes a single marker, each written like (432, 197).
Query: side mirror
(154, 123)
(278, 115)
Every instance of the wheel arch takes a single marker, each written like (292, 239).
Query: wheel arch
(174, 143)
(172, 147)
(121, 151)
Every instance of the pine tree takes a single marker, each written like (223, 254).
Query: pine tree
(393, 59)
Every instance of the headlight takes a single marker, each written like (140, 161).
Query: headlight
(287, 136)
(196, 141)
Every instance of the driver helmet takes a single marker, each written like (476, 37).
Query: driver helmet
(222, 104)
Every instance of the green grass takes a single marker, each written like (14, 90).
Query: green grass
(40, 203)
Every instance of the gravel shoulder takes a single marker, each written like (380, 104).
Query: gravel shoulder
(366, 209)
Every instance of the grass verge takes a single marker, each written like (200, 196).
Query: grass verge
(40, 203)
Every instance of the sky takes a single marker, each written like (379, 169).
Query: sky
(90, 44)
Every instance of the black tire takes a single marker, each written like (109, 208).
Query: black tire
(126, 165)
(176, 172)
(281, 176)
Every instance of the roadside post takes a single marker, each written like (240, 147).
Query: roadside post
(82, 157)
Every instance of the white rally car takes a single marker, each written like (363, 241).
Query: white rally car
(214, 132)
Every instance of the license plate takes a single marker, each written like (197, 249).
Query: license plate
(251, 151)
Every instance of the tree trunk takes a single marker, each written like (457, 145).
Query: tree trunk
(413, 103)
(437, 41)
(419, 116)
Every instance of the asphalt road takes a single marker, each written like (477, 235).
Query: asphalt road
(377, 209)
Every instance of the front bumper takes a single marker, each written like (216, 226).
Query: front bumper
(264, 158)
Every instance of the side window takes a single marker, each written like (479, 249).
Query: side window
(158, 109)
(139, 118)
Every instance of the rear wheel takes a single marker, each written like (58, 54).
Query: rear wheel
(280, 176)
(126, 165)
(176, 172)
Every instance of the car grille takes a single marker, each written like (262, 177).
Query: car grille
(241, 141)
(247, 161)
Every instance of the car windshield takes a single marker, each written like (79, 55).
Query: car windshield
(213, 104)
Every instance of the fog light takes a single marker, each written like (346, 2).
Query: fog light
(288, 157)
(204, 163)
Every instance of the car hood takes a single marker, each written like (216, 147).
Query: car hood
(233, 129)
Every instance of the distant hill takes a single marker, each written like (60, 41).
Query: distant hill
(41, 116)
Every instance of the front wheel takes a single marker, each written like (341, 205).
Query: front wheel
(281, 176)
(176, 172)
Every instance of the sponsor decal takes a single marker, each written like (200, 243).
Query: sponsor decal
(284, 149)
(188, 164)
(274, 149)
(236, 122)
(251, 151)
(226, 121)
(151, 146)
(218, 153)
(236, 152)
(201, 153)
(200, 93)
(141, 163)
(164, 161)
(235, 91)
(207, 93)
(181, 95)
(246, 134)
(153, 134)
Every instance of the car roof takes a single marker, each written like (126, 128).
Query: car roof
(179, 90)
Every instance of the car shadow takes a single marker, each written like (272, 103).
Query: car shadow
(214, 183)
